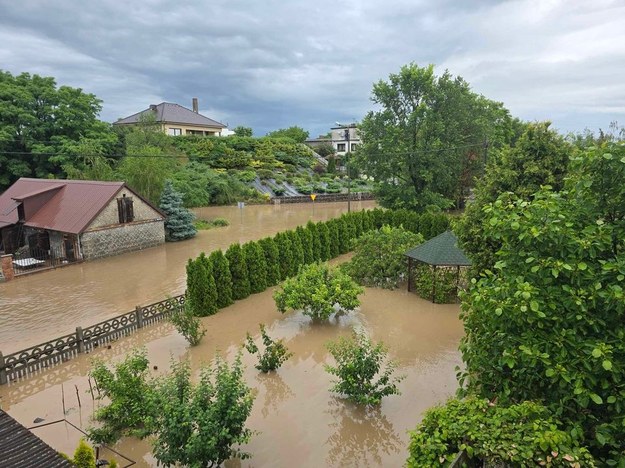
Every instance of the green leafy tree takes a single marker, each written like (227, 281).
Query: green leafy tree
(524, 434)
(379, 257)
(297, 134)
(539, 157)
(188, 325)
(256, 266)
(317, 289)
(131, 408)
(40, 124)
(203, 425)
(546, 324)
(272, 260)
(242, 131)
(325, 150)
(238, 271)
(274, 354)
(363, 372)
(426, 142)
(222, 277)
(179, 222)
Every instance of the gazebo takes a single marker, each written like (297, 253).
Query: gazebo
(440, 251)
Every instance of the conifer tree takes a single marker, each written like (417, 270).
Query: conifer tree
(209, 299)
(324, 241)
(179, 223)
(201, 290)
(315, 241)
(256, 266)
(285, 254)
(298, 251)
(333, 232)
(306, 240)
(223, 278)
(272, 260)
(367, 221)
(238, 271)
(343, 234)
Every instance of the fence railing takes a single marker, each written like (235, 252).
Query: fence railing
(36, 259)
(37, 358)
(324, 198)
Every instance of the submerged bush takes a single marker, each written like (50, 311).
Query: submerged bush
(274, 354)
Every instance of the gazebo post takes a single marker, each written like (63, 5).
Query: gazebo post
(457, 280)
(409, 273)
(434, 284)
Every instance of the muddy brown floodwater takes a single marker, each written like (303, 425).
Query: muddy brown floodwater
(42, 306)
(298, 422)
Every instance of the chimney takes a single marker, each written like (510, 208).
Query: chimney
(153, 107)
(195, 105)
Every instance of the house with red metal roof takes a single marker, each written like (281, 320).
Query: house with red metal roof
(50, 221)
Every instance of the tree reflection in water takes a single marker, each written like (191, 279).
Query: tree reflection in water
(362, 435)
(276, 392)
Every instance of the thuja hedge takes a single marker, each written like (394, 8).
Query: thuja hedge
(257, 265)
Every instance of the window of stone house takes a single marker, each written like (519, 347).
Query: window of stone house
(125, 210)
(340, 147)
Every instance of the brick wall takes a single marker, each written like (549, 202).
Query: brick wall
(122, 238)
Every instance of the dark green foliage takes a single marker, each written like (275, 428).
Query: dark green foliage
(201, 288)
(298, 250)
(379, 257)
(364, 373)
(84, 456)
(540, 157)
(179, 222)
(256, 266)
(377, 218)
(238, 271)
(331, 164)
(439, 285)
(297, 134)
(203, 424)
(333, 234)
(242, 131)
(316, 290)
(274, 354)
(222, 277)
(547, 323)
(306, 241)
(131, 406)
(272, 260)
(285, 255)
(519, 435)
(324, 241)
(188, 325)
(315, 245)
(367, 221)
(343, 234)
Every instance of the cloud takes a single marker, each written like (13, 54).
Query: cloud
(274, 64)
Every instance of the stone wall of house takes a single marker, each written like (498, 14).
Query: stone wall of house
(109, 215)
(122, 238)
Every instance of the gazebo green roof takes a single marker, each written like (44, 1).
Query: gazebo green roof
(441, 250)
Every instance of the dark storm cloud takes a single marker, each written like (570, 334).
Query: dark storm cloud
(279, 63)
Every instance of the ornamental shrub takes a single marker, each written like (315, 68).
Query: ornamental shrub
(188, 325)
(201, 290)
(238, 271)
(84, 456)
(179, 220)
(274, 354)
(319, 291)
(343, 235)
(222, 277)
(364, 373)
(524, 434)
(379, 257)
(256, 266)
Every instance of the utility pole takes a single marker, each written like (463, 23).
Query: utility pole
(349, 177)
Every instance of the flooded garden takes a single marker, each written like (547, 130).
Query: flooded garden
(296, 420)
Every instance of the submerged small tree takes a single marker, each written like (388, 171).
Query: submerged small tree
(256, 266)
(319, 291)
(188, 325)
(274, 354)
(272, 260)
(238, 270)
(201, 288)
(179, 223)
(203, 425)
(222, 277)
(364, 373)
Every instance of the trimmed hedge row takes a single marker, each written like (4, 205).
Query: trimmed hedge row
(216, 281)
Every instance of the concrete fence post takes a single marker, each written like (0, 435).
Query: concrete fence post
(139, 315)
(3, 372)
(80, 339)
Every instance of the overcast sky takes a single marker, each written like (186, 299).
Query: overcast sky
(275, 63)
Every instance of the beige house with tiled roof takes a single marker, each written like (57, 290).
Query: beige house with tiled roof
(177, 120)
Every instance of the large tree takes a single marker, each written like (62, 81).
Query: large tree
(427, 140)
(295, 133)
(39, 122)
